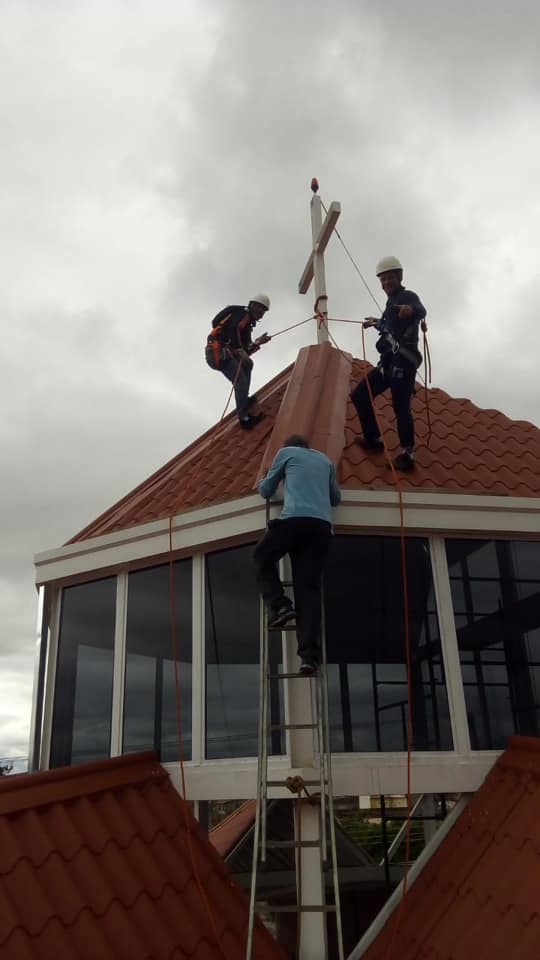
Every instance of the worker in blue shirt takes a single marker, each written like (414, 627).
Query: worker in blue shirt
(304, 531)
(400, 359)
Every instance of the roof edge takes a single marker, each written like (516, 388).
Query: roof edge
(26, 790)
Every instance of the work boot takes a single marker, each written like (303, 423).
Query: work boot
(376, 444)
(281, 616)
(308, 668)
(404, 461)
(248, 422)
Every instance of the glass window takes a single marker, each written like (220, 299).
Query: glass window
(232, 622)
(496, 600)
(365, 638)
(84, 674)
(150, 718)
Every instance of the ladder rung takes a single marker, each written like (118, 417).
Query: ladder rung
(294, 726)
(285, 783)
(286, 908)
(283, 844)
(285, 676)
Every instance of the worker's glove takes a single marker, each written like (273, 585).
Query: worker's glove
(386, 344)
(264, 338)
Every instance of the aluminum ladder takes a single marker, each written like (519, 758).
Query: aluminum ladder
(319, 726)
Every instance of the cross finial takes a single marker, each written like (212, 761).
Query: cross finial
(314, 269)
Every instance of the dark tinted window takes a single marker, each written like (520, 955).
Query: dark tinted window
(150, 719)
(84, 677)
(232, 656)
(496, 600)
(365, 631)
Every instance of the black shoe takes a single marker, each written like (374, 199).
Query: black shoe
(369, 444)
(308, 668)
(248, 422)
(281, 616)
(404, 461)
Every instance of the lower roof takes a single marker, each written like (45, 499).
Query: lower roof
(477, 897)
(105, 860)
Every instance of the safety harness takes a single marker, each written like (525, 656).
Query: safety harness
(218, 343)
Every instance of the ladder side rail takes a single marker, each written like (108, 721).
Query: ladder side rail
(326, 728)
(260, 778)
(264, 717)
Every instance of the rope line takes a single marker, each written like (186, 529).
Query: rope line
(405, 587)
(177, 699)
(355, 265)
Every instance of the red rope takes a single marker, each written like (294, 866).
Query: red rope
(174, 643)
(405, 584)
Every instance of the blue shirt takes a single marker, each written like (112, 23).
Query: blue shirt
(310, 484)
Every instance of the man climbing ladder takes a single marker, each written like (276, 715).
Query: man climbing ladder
(304, 531)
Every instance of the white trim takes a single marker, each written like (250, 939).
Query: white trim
(119, 665)
(198, 672)
(382, 917)
(366, 510)
(50, 678)
(450, 652)
(190, 529)
(353, 774)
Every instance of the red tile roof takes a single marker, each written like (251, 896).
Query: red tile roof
(470, 450)
(478, 895)
(95, 863)
(228, 831)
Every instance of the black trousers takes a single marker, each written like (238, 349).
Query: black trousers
(400, 378)
(307, 541)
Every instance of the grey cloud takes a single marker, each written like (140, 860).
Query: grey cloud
(156, 166)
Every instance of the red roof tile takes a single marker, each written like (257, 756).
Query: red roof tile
(95, 862)
(229, 830)
(470, 450)
(478, 894)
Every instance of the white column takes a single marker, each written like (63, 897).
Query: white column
(450, 652)
(55, 602)
(119, 668)
(198, 676)
(299, 709)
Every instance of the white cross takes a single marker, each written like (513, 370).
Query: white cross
(321, 233)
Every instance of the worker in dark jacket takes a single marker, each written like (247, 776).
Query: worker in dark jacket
(400, 359)
(229, 348)
(304, 531)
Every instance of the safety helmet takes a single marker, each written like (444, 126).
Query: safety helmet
(387, 263)
(262, 299)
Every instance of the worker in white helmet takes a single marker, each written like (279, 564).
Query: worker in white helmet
(399, 361)
(229, 347)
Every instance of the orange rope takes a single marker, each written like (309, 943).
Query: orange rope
(407, 656)
(174, 643)
(278, 334)
(232, 388)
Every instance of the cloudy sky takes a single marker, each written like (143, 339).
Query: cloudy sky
(155, 166)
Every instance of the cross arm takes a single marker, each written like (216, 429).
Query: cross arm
(320, 244)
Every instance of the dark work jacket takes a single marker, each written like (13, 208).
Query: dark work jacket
(232, 327)
(404, 331)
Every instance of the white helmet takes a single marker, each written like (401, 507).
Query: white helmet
(262, 299)
(387, 263)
